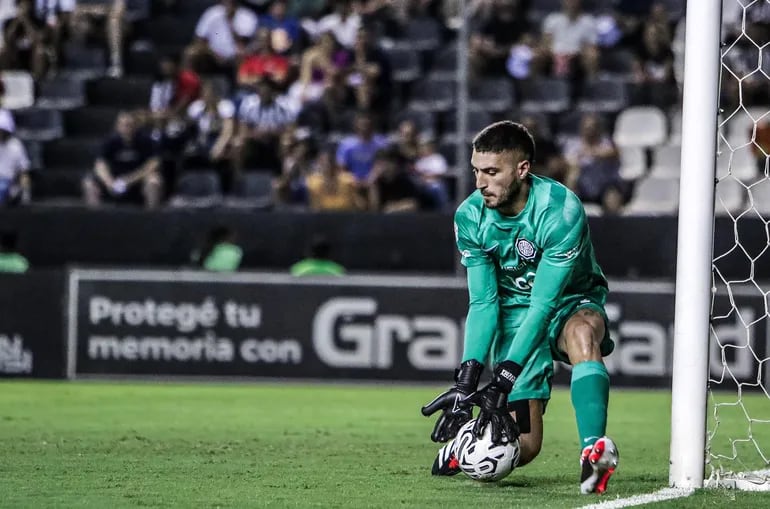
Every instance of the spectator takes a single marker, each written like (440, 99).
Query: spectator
(112, 20)
(317, 262)
(221, 35)
(331, 189)
(653, 71)
(55, 18)
(430, 168)
(595, 162)
(174, 89)
(128, 168)
(497, 35)
(391, 188)
(344, 23)
(285, 30)
(570, 36)
(356, 153)
(14, 165)
(406, 141)
(263, 62)
(213, 128)
(220, 253)
(290, 187)
(370, 70)
(261, 119)
(550, 160)
(320, 65)
(24, 42)
(10, 260)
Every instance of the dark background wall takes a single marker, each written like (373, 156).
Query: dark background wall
(625, 246)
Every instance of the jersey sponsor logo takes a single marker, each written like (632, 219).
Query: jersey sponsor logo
(526, 249)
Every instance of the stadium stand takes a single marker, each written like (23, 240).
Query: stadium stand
(409, 71)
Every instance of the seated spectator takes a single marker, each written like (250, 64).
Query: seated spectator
(490, 45)
(285, 31)
(290, 187)
(406, 141)
(331, 112)
(262, 117)
(370, 69)
(594, 160)
(356, 153)
(212, 120)
(391, 188)
(263, 62)
(220, 37)
(550, 161)
(430, 167)
(571, 37)
(320, 63)
(653, 71)
(127, 170)
(24, 44)
(332, 189)
(55, 16)
(15, 185)
(344, 23)
(317, 262)
(10, 260)
(220, 253)
(174, 89)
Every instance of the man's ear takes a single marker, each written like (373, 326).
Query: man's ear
(522, 170)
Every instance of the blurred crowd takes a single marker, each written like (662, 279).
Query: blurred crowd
(303, 98)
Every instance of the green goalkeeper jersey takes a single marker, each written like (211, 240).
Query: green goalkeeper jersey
(525, 264)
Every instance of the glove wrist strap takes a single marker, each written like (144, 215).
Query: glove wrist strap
(468, 374)
(505, 375)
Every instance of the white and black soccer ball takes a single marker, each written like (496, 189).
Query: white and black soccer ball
(480, 459)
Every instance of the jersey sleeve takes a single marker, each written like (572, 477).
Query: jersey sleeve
(565, 235)
(483, 310)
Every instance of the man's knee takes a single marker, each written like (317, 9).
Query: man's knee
(583, 335)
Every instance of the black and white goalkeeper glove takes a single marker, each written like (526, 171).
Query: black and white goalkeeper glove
(453, 413)
(492, 399)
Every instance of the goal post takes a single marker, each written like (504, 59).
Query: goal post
(720, 405)
(694, 243)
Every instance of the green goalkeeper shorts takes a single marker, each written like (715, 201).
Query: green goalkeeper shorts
(534, 382)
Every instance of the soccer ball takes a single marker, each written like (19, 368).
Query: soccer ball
(480, 459)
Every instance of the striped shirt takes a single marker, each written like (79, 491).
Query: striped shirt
(274, 115)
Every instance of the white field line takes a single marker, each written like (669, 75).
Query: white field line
(649, 498)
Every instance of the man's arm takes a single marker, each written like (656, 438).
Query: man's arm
(483, 311)
(150, 166)
(103, 173)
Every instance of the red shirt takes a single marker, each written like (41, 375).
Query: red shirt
(256, 66)
(188, 87)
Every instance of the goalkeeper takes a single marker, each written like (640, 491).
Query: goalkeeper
(536, 294)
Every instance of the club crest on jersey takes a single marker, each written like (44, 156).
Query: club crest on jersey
(525, 249)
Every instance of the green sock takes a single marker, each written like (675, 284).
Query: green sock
(590, 388)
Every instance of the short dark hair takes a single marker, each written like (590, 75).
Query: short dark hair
(505, 135)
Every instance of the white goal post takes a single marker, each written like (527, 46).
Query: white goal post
(706, 397)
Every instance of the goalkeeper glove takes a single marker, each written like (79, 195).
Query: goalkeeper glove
(454, 414)
(492, 399)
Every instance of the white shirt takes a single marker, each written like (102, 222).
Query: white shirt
(13, 159)
(217, 30)
(431, 165)
(205, 121)
(569, 36)
(344, 30)
(266, 116)
(48, 10)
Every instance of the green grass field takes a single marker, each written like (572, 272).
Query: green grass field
(114, 445)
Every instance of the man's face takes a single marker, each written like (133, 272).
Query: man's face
(497, 177)
(125, 126)
(363, 126)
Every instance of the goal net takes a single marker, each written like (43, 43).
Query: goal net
(738, 412)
